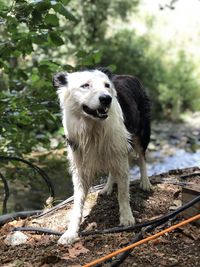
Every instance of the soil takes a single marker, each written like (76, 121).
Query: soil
(178, 248)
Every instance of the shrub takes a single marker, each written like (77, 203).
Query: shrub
(170, 82)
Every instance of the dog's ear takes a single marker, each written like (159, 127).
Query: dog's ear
(60, 79)
(106, 71)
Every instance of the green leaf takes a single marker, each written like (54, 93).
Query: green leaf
(23, 10)
(63, 11)
(36, 17)
(112, 67)
(81, 54)
(12, 24)
(22, 74)
(25, 45)
(3, 64)
(97, 55)
(68, 67)
(65, 2)
(6, 49)
(51, 20)
(40, 38)
(42, 6)
(16, 53)
(56, 39)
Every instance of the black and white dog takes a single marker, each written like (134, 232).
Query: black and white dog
(106, 119)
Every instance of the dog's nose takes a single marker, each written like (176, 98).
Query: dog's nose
(105, 100)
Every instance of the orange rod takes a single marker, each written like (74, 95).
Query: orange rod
(119, 251)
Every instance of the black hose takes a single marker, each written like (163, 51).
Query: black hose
(36, 168)
(38, 230)
(140, 225)
(21, 214)
(139, 236)
(98, 187)
(6, 193)
(150, 226)
(160, 220)
(121, 258)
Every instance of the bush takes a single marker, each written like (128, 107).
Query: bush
(31, 32)
(30, 50)
(39, 38)
(170, 82)
(180, 89)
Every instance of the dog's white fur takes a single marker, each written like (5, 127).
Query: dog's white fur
(102, 145)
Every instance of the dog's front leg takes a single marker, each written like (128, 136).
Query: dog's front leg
(126, 216)
(80, 192)
(145, 184)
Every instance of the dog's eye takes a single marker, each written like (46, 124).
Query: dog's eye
(85, 85)
(107, 85)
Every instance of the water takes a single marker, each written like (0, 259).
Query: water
(179, 160)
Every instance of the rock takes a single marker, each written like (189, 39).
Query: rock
(16, 238)
(177, 203)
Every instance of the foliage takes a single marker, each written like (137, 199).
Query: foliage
(94, 16)
(41, 37)
(180, 88)
(172, 84)
(30, 33)
(28, 100)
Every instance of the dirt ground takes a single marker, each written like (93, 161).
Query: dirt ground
(179, 248)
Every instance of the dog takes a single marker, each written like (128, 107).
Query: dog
(106, 121)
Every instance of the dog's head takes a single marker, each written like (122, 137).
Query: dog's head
(88, 93)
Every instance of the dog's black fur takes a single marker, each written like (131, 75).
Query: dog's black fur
(135, 105)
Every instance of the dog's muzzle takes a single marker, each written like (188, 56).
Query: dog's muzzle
(102, 111)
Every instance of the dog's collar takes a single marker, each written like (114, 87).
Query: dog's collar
(72, 144)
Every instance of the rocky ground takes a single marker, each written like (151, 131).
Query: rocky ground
(179, 248)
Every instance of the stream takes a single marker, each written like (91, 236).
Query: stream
(178, 160)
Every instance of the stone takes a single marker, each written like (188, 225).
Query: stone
(16, 238)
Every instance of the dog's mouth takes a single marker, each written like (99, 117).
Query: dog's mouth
(101, 113)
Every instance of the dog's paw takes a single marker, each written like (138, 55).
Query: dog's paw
(127, 220)
(145, 185)
(68, 238)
